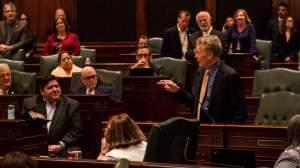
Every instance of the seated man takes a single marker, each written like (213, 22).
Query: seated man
(5, 80)
(143, 65)
(217, 94)
(14, 34)
(62, 113)
(90, 83)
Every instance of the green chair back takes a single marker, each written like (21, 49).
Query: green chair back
(173, 68)
(264, 49)
(273, 80)
(155, 44)
(106, 77)
(277, 108)
(23, 82)
(13, 65)
(48, 63)
(122, 163)
(88, 53)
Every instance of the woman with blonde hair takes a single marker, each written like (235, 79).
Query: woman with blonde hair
(242, 35)
(291, 156)
(122, 139)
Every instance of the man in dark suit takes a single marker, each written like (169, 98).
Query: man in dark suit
(64, 126)
(217, 93)
(203, 20)
(274, 27)
(175, 39)
(13, 34)
(90, 84)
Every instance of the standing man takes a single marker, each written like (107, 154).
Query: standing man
(274, 27)
(64, 126)
(13, 34)
(175, 39)
(203, 20)
(217, 95)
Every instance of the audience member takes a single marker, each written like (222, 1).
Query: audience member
(217, 94)
(143, 57)
(91, 84)
(242, 35)
(122, 139)
(203, 20)
(288, 41)
(290, 158)
(64, 126)
(229, 21)
(5, 80)
(14, 34)
(175, 39)
(62, 39)
(274, 27)
(30, 49)
(65, 66)
(142, 41)
(17, 159)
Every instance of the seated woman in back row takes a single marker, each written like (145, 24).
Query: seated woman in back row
(122, 139)
(62, 40)
(65, 66)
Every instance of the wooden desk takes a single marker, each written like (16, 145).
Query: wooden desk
(17, 135)
(85, 163)
(243, 63)
(143, 95)
(285, 65)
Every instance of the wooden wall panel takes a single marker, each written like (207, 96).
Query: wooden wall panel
(163, 14)
(107, 21)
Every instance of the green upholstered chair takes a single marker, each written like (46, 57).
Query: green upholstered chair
(122, 163)
(173, 141)
(264, 49)
(88, 53)
(277, 108)
(155, 44)
(106, 77)
(13, 65)
(23, 82)
(276, 79)
(48, 63)
(173, 68)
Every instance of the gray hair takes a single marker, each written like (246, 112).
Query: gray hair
(4, 66)
(212, 44)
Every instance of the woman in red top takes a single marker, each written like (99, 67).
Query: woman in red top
(62, 40)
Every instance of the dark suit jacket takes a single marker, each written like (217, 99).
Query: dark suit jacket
(192, 43)
(66, 124)
(20, 37)
(227, 103)
(272, 33)
(171, 45)
(101, 89)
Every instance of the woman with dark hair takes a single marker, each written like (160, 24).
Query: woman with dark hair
(62, 39)
(122, 139)
(30, 49)
(288, 41)
(290, 158)
(65, 66)
(242, 35)
(17, 160)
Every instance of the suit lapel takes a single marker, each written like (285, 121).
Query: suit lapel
(198, 82)
(2, 27)
(219, 76)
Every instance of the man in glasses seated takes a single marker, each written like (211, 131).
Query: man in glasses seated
(91, 83)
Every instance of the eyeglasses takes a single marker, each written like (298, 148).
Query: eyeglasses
(90, 77)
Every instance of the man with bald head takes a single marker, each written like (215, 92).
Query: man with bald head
(90, 83)
(203, 20)
(5, 79)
